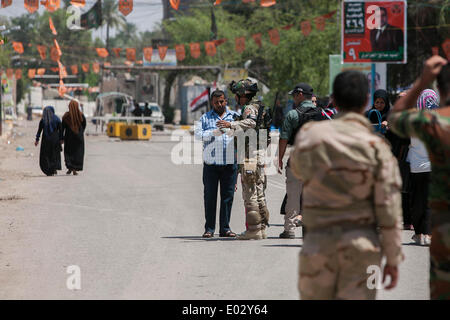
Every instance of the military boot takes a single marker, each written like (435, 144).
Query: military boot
(251, 235)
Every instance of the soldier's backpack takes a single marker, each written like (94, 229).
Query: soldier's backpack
(306, 115)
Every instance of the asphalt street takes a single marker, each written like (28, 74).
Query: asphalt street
(132, 222)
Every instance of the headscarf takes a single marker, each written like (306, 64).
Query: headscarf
(51, 121)
(380, 93)
(428, 99)
(74, 117)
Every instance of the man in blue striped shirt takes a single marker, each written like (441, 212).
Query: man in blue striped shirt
(219, 164)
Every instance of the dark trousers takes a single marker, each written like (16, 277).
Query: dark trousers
(226, 176)
(405, 173)
(420, 212)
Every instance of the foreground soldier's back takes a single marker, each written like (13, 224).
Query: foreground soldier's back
(352, 204)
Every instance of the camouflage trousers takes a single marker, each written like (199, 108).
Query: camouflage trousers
(254, 183)
(333, 264)
(440, 262)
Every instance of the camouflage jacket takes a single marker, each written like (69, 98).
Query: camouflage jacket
(433, 128)
(350, 178)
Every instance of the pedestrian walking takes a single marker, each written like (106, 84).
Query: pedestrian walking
(432, 127)
(302, 95)
(351, 190)
(219, 167)
(73, 126)
(50, 153)
(420, 167)
(253, 177)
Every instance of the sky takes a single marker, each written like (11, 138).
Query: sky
(146, 14)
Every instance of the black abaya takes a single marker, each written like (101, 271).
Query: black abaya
(74, 146)
(50, 154)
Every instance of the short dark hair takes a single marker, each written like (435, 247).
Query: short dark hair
(350, 90)
(217, 93)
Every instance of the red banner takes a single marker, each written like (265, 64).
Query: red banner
(117, 51)
(96, 67)
(180, 52)
(18, 74)
(210, 48)
(274, 36)
(131, 54)
(195, 50)
(18, 47)
(6, 3)
(85, 67)
(162, 50)
(31, 73)
(102, 52)
(74, 69)
(257, 38)
(42, 51)
(31, 5)
(374, 31)
(175, 4)
(268, 3)
(320, 23)
(126, 6)
(40, 71)
(306, 27)
(148, 52)
(240, 44)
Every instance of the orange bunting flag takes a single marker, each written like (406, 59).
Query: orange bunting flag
(162, 50)
(195, 50)
(131, 54)
(257, 38)
(18, 47)
(220, 41)
(62, 88)
(57, 47)
(54, 54)
(102, 52)
(217, 2)
(31, 73)
(210, 48)
(117, 51)
(320, 23)
(51, 5)
(31, 5)
(268, 3)
(180, 52)
(74, 69)
(306, 27)
(18, 74)
(96, 67)
(148, 52)
(62, 70)
(274, 36)
(240, 44)
(446, 48)
(6, 3)
(125, 6)
(52, 26)
(175, 4)
(42, 51)
(40, 71)
(78, 3)
(9, 73)
(85, 67)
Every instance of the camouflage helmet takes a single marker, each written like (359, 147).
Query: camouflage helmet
(244, 87)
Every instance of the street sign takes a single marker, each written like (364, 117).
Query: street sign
(373, 31)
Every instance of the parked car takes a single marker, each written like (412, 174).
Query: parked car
(157, 118)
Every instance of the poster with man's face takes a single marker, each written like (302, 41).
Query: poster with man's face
(374, 31)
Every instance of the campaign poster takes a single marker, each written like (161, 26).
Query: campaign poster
(373, 31)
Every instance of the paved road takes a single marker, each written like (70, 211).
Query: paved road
(132, 221)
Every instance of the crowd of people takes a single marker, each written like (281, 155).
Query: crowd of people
(56, 133)
(352, 183)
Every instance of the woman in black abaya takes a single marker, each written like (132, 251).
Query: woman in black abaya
(50, 154)
(73, 126)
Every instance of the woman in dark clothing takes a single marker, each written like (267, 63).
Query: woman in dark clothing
(73, 126)
(50, 154)
(380, 104)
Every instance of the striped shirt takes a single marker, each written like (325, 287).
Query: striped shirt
(217, 150)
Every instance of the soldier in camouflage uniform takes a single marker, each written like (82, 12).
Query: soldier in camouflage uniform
(252, 172)
(352, 203)
(432, 127)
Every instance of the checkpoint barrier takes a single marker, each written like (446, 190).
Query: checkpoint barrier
(113, 129)
(135, 132)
